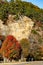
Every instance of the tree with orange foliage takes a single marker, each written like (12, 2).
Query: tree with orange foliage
(11, 48)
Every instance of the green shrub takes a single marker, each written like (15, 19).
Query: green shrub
(25, 47)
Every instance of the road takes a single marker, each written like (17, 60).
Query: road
(24, 63)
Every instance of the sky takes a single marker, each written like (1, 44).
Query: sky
(38, 3)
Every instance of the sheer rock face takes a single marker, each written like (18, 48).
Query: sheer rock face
(19, 29)
(3, 29)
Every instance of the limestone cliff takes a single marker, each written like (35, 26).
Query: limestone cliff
(19, 29)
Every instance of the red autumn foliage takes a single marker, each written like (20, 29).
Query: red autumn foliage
(11, 47)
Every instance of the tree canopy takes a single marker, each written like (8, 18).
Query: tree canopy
(19, 7)
(11, 48)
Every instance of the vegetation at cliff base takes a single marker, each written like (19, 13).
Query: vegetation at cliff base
(25, 47)
(11, 48)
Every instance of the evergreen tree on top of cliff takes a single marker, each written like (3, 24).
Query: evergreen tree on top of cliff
(19, 7)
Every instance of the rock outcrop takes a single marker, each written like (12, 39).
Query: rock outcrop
(3, 28)
(19, 29)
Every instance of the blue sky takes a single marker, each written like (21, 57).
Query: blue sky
(39, 3)
(36, 2)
